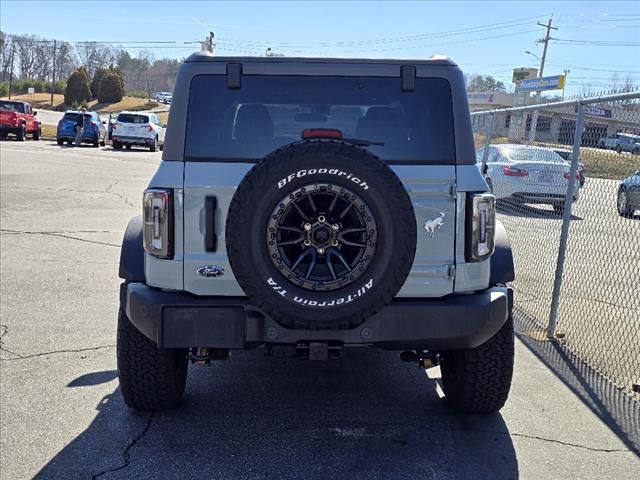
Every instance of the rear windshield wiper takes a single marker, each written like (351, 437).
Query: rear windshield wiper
(361, 142)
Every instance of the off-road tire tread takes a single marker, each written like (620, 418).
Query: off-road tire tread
(478, 380)
(150, 378)
(242, 269)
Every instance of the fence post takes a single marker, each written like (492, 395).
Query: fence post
(566, 221)
(533, 127)
(487, 141)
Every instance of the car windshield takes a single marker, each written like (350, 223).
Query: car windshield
(132, 118)
(12, 106)
(269, 112)
(527, 154)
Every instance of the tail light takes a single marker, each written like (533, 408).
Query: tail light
(513, 171)
(568, 174)
(481, 226)
(157, 206)
(321, 133)
(149, 128)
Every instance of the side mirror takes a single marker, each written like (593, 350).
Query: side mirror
(164, 125)
(104, 122)
(485, 168)
(35, 113)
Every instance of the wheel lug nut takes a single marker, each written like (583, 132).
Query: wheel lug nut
(321, 251)
(335, 226)
(334, 243)
(321, 219)
(307, 242)
(307, 226)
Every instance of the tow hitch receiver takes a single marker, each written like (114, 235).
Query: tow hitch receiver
(424, 359)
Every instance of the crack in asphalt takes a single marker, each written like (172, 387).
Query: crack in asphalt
(54, 234)
(4, 329)
(126, 454)
(53, 352)
(560, 442)
(122, 197)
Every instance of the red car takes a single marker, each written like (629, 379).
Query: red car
(19, 119)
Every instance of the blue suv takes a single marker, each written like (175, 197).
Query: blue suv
(95, 130)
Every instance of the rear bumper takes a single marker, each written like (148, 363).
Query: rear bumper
(180, 320)
(145, 141)
(4, 128)
(548, 198)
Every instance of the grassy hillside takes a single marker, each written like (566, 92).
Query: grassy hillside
(43, 101)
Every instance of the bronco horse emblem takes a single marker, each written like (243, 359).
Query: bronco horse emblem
(434, 224)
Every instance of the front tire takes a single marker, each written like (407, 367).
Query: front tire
(60, 142)
(150, 378)
(37, 133)
(478, 380)
(619, 149)
(558, 208)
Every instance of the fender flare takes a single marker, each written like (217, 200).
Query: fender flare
(502, 266)
(132, 252)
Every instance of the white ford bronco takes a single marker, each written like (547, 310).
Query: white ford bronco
(304, 206)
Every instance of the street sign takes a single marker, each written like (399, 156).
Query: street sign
(543, 83)
(523, 73)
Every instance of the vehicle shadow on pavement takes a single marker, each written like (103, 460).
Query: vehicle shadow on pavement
(619, 412)
(366, 415)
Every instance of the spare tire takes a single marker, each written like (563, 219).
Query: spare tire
(320, 235)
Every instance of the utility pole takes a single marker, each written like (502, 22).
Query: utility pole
(545, 40)
(13, 49)
(53, 74)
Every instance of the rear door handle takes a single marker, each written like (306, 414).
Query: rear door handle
(210, 237)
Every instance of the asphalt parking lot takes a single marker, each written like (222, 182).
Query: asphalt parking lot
(365, 415)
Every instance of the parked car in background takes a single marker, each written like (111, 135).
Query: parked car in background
(135, 128)
(629, 195)
(621, 142)
(19, 119)
(527, 174)
(159, 96)
(95, 129)
(566, 153)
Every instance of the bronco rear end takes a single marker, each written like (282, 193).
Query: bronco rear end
(307, 205)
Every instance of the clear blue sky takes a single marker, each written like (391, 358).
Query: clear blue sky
(475, 34)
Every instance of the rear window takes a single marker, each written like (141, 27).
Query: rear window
(531, 154)
(132, 118)
(74, 116)
(12, 106)
(269, 112)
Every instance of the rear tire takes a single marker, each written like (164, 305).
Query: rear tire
(154, 145)
(558, 208)
(478, 380)
(69, 142)
(619, 149)
(623, 204)
(21, 133)
(150, 378)
(60, 141)
(116, 145)
(128, 147)
(96, 142)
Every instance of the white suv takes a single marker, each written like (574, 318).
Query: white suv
(134, 128)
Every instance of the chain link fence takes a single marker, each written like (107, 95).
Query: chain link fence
(567, 179)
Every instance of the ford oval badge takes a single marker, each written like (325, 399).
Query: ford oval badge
(210, 271)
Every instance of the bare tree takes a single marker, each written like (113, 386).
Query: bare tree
(93, 55)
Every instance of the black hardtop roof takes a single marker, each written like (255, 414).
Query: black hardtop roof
(435, 60)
